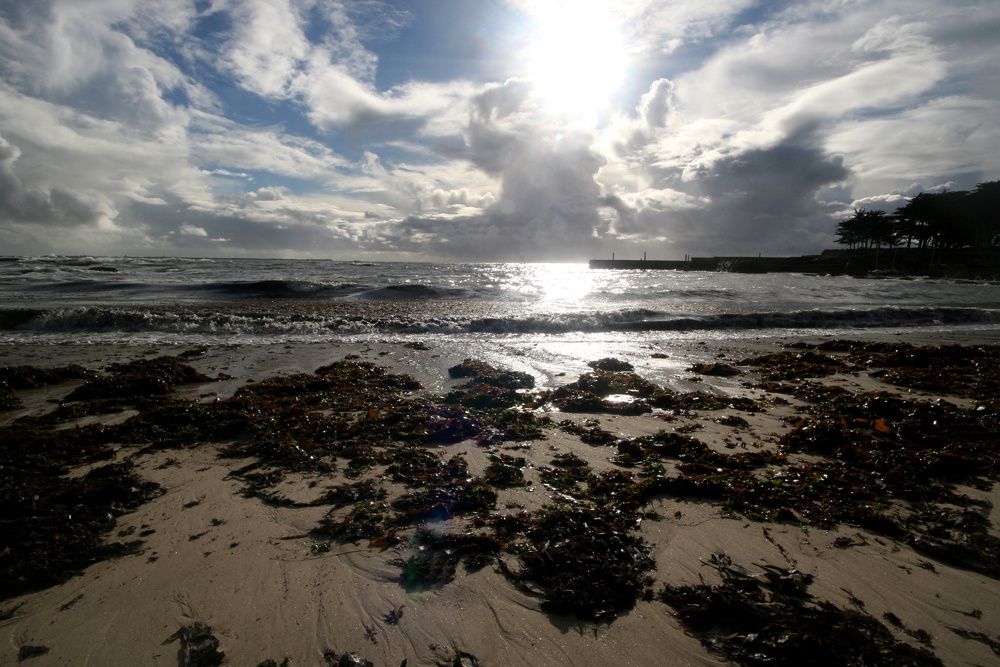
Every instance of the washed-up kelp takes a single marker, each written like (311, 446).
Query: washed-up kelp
(694, 455)
(198, 646)
(590, 391)
(589, 432)
(610, 364)
(488, 387)
(505, 471)
(51, 527)
(967, 371)
(438, 556)
(951, 369)
(716, 369)
(31, 377)
(565, 471)
(771, 619)
(889, 464)
(483, 373)
(584, 561)
(636, 395)
(797, 365)
(143, 377)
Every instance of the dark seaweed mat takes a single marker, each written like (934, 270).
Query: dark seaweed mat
(715, 369)
(772, 620)
(967, 371)
(481, 372)
(610, 364)
(198, 646)
(32, 377)
(589, 432)
(143, 377)
(505, 471)
(438, 556)
(796, 365)
(52, 527)
(488, 388)
(588, 393)
(588, 562)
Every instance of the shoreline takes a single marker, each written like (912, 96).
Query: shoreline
(248, 557)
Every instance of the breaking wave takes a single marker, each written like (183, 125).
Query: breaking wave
(278, 322)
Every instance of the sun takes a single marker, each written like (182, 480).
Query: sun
(576, 58)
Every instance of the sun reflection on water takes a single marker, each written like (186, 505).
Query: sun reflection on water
(555, 285)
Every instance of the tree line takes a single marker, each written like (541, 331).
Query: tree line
(959, 219)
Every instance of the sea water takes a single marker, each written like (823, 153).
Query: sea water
(545, 319)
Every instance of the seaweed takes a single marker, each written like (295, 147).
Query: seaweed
(587, 561)
(343, 495)
(566, 471)
(198, 646)
(771, 619)
(611, 364)
(481, 372)
(589, 432)
(436, 562)
(52, 527)
(466, 496)
(140, 378)
(334, 659)
(505, 471)
(33, 377)
(716, 369)
(28, 651)
(488, 387)
(780, 366)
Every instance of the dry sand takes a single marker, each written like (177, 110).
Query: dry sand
(253, 573)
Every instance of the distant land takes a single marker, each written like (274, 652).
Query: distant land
(933, 262)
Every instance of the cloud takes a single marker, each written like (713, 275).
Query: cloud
(53, 206)
(549, 200)
(267, 126)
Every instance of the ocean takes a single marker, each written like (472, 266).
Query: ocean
(546, 319)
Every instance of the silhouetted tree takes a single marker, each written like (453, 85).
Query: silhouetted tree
(959, 219)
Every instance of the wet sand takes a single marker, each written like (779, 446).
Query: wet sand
(246, 535)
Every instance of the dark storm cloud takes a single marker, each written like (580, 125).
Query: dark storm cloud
(763, 199)
(52, 206)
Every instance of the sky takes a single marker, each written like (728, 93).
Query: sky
(482, 130)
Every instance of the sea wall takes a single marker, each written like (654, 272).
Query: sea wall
(961, 263)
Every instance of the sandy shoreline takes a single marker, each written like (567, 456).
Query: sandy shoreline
(254, 568)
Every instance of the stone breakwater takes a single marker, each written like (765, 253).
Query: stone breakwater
(888, 261)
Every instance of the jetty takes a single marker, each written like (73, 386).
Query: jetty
(955, 263)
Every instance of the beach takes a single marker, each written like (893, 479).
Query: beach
(381, 500)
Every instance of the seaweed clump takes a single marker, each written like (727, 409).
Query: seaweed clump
(198, 646)
(51, 527)
(715, 369)
(587, 561)
(436, 561)
(143, 377)
(771, 619)
(611, 364)
(32, 377)
(795, 365)
(488, 387)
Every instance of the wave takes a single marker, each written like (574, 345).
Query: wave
(360, 320)
(413, 291)
(281, 289)
(87, 286)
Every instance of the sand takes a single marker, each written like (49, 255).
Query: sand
(270, 590)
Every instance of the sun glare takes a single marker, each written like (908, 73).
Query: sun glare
(576, 57)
